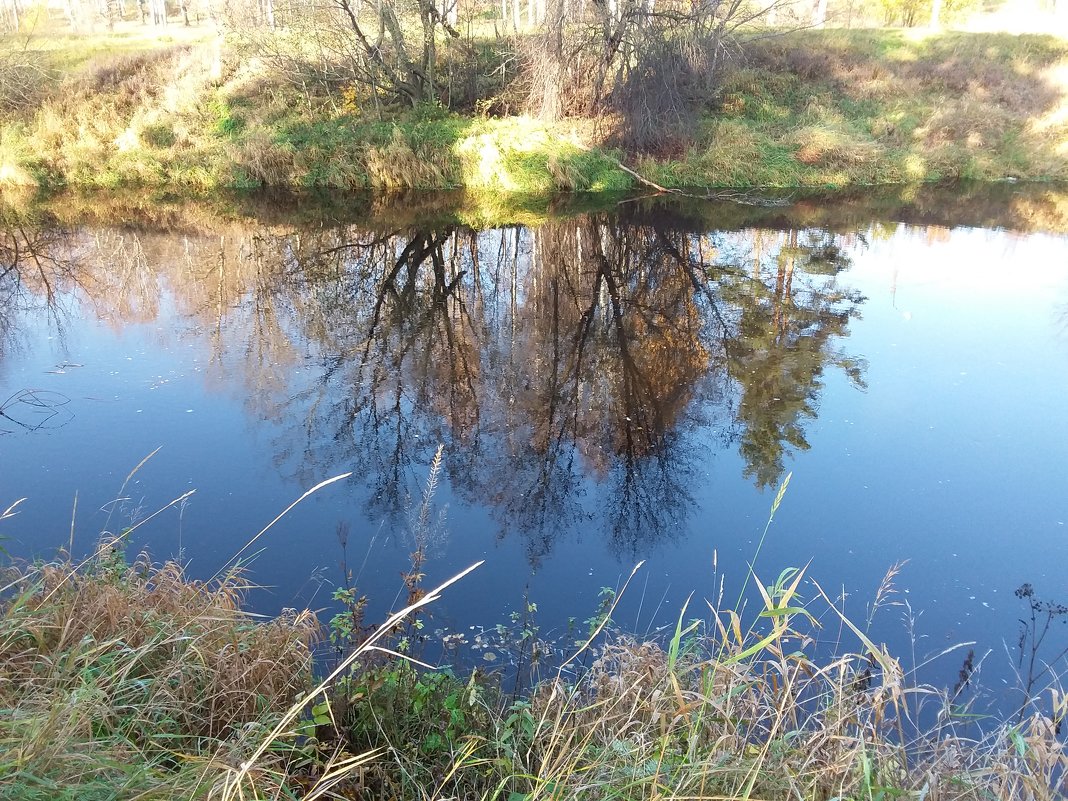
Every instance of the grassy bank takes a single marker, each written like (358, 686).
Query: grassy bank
(815, 108)
(131, 680)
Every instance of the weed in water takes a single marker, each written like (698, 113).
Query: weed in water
(1033, 665)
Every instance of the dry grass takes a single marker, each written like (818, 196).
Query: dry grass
(13, 175)
(893, 106)
(132, 677)
(398, 166)
(966, 123)
(739, 714)
(819, 145)
(264, 160)
(126, 119)
(778, 726)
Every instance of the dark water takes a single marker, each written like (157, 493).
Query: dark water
(607, 387)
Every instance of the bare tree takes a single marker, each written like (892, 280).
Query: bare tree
(10, 15)
(389, 47)
(393, 60)
(650, 66)
(23, 78)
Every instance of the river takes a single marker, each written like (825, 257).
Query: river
(628, 383)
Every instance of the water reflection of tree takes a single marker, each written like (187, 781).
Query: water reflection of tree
(575, 372)
(37, 265)
(786, 329)
(394, 360)
(622, 345)
(587, 349)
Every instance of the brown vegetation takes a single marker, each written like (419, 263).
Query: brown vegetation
(113, 672)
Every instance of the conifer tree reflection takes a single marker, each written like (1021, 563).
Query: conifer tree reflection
(790, 314)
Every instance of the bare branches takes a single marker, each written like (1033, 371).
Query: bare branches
(23, 79)
(647, 67)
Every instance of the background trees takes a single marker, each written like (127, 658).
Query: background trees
(645, 68)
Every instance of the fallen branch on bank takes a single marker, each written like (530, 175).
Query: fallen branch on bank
(723, 194)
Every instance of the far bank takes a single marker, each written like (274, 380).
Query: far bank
(829, 108)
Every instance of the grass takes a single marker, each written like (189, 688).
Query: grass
(812, 108)
(134, 681)
(841, 107)
(123, 680)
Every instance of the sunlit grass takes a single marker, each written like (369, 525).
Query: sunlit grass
(811, 108)
(70, 52)
(873, 107)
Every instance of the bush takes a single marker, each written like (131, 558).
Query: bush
(23, 81)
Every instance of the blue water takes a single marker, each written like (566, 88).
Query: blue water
(910, 380)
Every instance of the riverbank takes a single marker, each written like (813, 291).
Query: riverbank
(131, 680)
(829, 108)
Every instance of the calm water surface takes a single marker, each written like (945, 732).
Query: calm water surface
(606, 387)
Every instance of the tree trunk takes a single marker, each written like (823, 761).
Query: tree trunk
(936, 13)
(430, 54)
(819, 16)
(72, 15)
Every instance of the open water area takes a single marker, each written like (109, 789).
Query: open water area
(606, 387)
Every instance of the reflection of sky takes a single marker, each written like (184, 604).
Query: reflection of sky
(953, 459)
